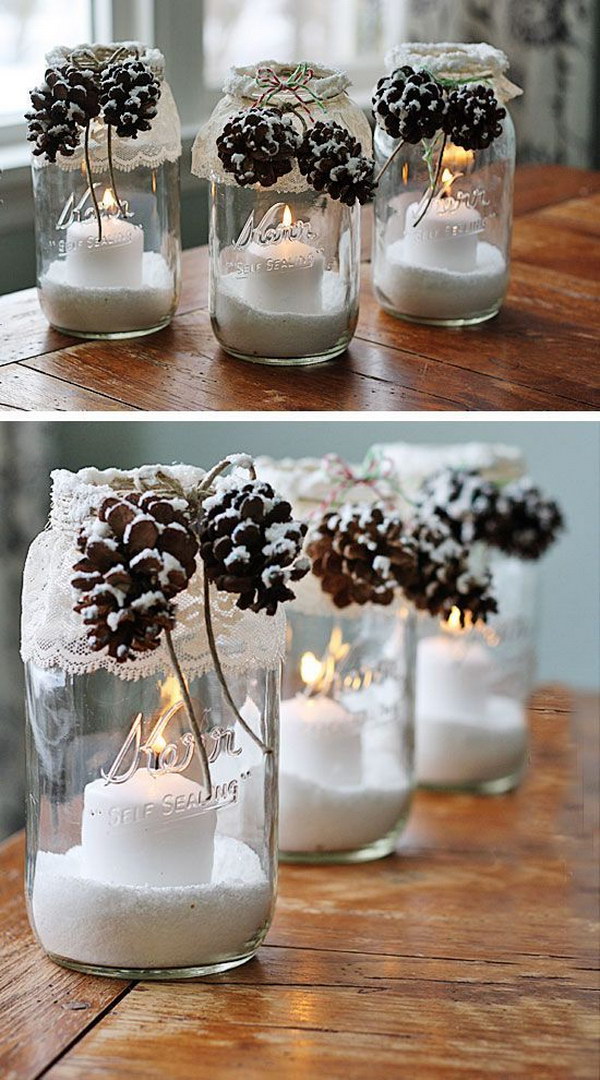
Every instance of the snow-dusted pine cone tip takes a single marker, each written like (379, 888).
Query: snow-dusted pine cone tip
(409, 105)
(359, 555)
(251, 545)
(526, 523)
(462, 499)
(129, 94)
(445, 574)
(258, 146)
(331, 159)
(138, 554)
(62, 105)
(473, 117)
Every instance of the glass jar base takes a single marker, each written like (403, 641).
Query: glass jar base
(117, 335)
(379, 849)
(301, 361)
(480, 787)
(467, 320)
(155, 974)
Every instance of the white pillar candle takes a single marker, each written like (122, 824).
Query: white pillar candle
(446, 237)
(152, 829)
(285, 275)
(115, 261)
(453, 678)
(321, 741)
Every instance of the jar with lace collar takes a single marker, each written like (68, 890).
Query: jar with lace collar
(286, 153)
(152, 701)
(445, 153)
(106, 146)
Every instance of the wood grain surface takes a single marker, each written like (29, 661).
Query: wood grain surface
(539, 353)
(471, 952)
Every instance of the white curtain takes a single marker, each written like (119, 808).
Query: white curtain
(24, 456)
(551, 45)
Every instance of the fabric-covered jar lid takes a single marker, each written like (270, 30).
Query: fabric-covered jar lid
(457, 62)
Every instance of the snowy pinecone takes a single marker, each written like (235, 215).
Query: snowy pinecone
(409, 105)
(129, 97)
(525, 523)
(462, 499)
(251, 545)
(62, 105)
(331, 159)
(258, 145)
(473, 117)
(138, 554)
(445, 573)
(359, 555)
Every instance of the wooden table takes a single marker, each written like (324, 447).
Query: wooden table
(470, 953)
(539, 353)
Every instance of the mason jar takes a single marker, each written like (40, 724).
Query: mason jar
(346, 739)
(107, 219)
(139, 865)
(450, 266)
(284, 260)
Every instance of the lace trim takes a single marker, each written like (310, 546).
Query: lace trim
(457, 61)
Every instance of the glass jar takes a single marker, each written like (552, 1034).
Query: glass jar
(472, 689)
(449, 267)
(284, 260)
(107, 224)
(346, 737)
(136, 866)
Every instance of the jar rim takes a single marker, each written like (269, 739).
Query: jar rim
(326, 82)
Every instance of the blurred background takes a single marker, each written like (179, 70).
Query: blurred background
(552, 46)
(563, 458)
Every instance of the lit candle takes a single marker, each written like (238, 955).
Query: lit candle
(446, 237)
(114, 261)
(285, 274)
(454, 675)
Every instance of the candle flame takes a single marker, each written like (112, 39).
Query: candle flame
(109, 203)
(169, 693)
(453, 624)
(311, 669)
(158, 745)
(318, 675)
(287, 217)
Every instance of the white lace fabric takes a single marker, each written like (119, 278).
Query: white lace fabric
(54, 636)
(457, 60)
(149, 149)
(241, 90)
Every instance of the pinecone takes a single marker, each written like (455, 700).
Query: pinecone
(129, 96)
(462, 499)
(525, 523)
(359, 554)
(258, 145)
(331, 159)
(445, 574)
(251, 545)
(138, 554)
(473, 117)
(409, 105)
(62, 105)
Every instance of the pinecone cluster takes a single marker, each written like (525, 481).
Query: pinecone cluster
(251, 545)
(412, 105)
(62, 106)
(129, 95)
(359, 555)
(409, 105)
(460, 498)
(261, 144)
(258, 146)
(445, 574)
(526, 523)
(138, 554)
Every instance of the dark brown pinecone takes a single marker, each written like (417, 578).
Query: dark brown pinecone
(138, 554)
(62, 105)
(251, 545)
(331, 159)
(445, 574)
(258, 145)
(409, 105)
(526, 523)
(462, 499)
(129, 96)
(473, 117)
(359, 554)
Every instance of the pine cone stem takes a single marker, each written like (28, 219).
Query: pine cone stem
(219, 468)
(189, 708)
(113, 182)
(90, 180)
(387, 164)
(220, 673)
(432, 189)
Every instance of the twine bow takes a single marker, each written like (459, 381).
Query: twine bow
(297, 82)
(377, 473)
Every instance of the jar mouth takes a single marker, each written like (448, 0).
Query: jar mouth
(75, 495)
(98, 56)
(246, 82)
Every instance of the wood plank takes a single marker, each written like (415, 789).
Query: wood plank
(556, 248)
(577, 215)
(537, 186)
(43, 1007)
(23, 388)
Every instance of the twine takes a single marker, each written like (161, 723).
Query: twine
(296, 82)
(377, 473)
